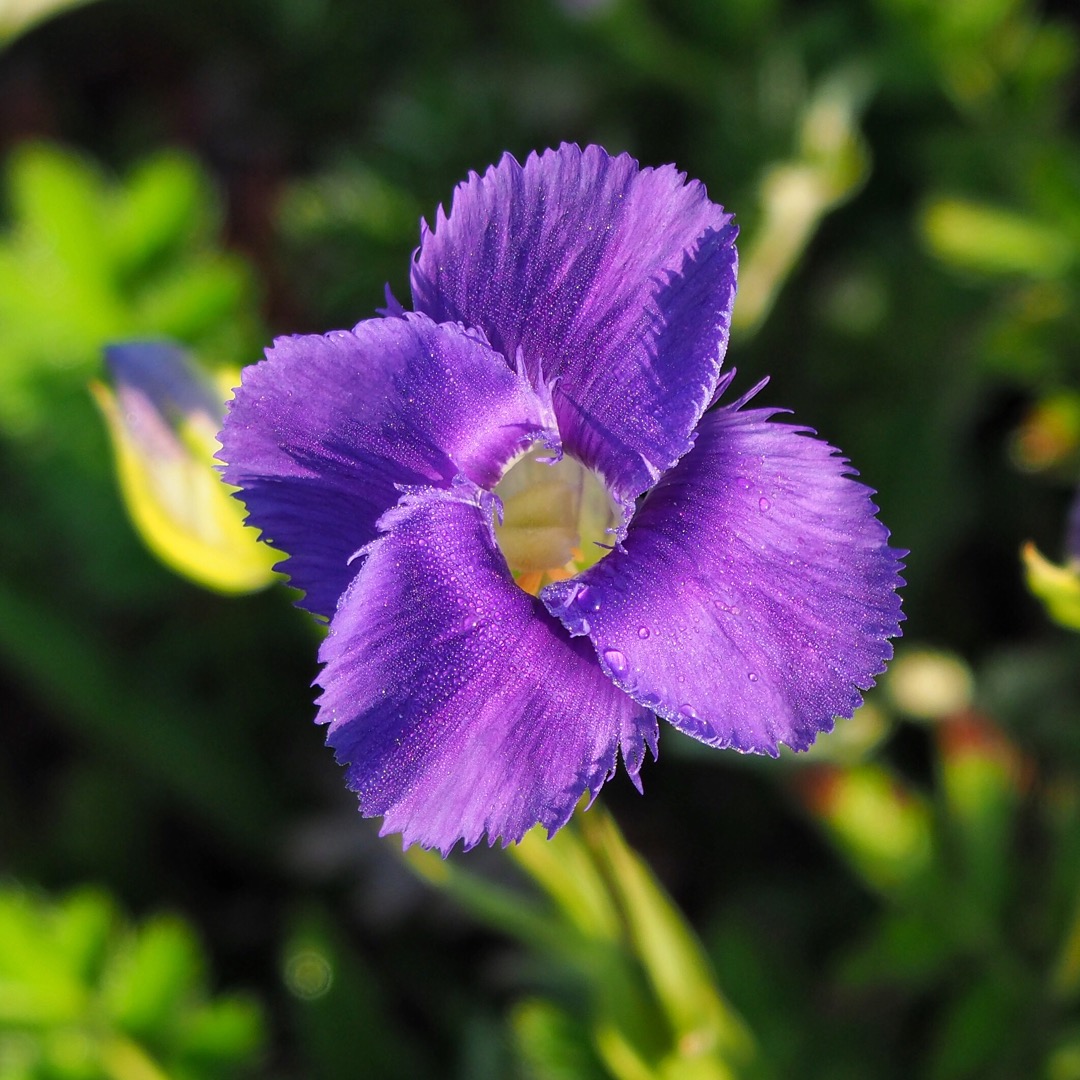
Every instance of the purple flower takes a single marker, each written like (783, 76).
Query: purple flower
(538, 426)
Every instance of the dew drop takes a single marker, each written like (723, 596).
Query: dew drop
(616, 661)
(688, 711)
(587, 600)
(763, 503)
(643, 632)
(752, 676)
(720, 605)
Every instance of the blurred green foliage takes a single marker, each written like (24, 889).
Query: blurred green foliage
(608, 928)
(902, 901)
(98, 262)
(84, 996)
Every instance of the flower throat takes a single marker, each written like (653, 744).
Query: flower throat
(555, 517)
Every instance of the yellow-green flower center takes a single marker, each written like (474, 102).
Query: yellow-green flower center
(555, 516)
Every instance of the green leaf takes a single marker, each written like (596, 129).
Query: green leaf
(85, 922)
(87, 260)
(60, 202)
(85, 997)
(37, 987)
(153, 976)
(227, 1030)
(832, 163)
(988, 1029)
(552, 1044)
(710, 1039)
(165, 204)
(876, 821)
(194, 296)
(993, 240)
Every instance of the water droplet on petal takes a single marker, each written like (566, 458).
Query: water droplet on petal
(616, 661)
(586, 599)
(643, 632)
(688, 711)
(763, 503)
(752, 676)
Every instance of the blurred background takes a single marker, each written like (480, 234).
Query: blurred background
(186, 888)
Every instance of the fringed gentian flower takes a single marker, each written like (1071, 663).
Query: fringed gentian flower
(528, 534)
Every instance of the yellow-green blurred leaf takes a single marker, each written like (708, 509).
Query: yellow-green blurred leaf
(1058, 587)
(151, 979)
(992, 240)
(832, 163)
(60, 200)
(225, 1030)
(875, 820)
(710, 1039)
(138, 1010)
(564, 868)
(552, 1044)
(928, 684)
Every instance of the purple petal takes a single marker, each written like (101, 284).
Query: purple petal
(322, 431)
(610, 283)
(460, 704)
(755, 593)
